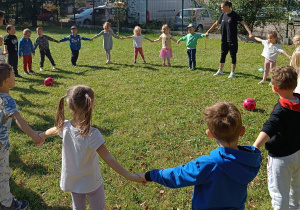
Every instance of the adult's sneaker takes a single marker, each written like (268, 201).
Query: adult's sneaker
(41, 69)
(16, 205)
(231, 75)
(54, 67)
(219, 72)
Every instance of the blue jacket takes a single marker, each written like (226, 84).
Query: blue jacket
(75, 42)
(220, 180)
(25, 47)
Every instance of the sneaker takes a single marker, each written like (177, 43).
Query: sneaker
(108, 62)
(219, 72)
(134, 61)
(163, 64)
(73, 64)
(41, 69)
(17, 205)
(270, 84)
(18, 75)
(261, 82)
(231, 75)
(169, 64)
(31, 71)
(26, 72)
(144, 61)
(54, 67)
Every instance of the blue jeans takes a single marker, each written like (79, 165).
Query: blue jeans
(192, 58)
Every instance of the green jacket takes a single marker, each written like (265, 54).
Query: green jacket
(191, 39)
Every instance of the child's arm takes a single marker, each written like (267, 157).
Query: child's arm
(114, 35)
(181, 39)
(97, 35)
(22, 124)
(36, 43)
(287, 55)
(156, 40)
(65, 39)
(175, 40)
(20, 50)
(5, 50)
(51, 39)
(148, 39)
(258, 39)
(127, 37)
(49, 133)
(261, 139)
(108, 158)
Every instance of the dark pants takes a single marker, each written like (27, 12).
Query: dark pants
(74, 56)
(12, 59)
(192, 58)
(47, 53)
(229, 46)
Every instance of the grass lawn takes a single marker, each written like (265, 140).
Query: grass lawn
(150, 116)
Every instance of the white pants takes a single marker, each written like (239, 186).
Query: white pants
(5, 195)
(284, 181)
(96, 199)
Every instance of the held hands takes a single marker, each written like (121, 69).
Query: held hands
(178, 42)
(137, 178)
(206, 34)
(37, 140)
(251, 36)
(58, 42)
(91, 39)
(5, 53)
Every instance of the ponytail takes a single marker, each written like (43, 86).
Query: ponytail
(60, 114)
(87, 116)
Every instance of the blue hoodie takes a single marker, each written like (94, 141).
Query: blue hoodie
(75, 41)
(220, 180)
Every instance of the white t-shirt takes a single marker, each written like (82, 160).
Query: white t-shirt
(2, 59)
(271, 51)
(138, 41)
(80, 171)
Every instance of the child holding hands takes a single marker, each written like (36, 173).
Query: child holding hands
(138, 42)
(81, 146)
(220, 180)
(25, 50)
(166, 50)
(270, 52)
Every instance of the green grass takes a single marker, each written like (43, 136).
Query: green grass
(150, 116)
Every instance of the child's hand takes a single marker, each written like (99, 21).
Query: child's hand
(290, 57)
(33, 54)
(121, 38)
(20, 57)
(178, 42)
(138, 178)
(37, 140)
(5, 53)
(58, 42)
(206, 35)
(91, 39)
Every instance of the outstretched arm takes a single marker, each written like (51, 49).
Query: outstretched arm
(49, 133)
(175, 40)
(287, 55)
(108, 158)
(156, 40)
(261, 139)
(248, 29)
(258, 39)
(211, 28)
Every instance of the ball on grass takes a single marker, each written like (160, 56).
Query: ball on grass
(49, 81)
(249, 104)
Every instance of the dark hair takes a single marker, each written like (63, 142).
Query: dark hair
(2, 13)
(8, 27)
(5, 70)
(80, 100)
(227, 3)
(284, 77)
(224, 121)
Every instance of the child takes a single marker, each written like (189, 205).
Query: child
(296, 40)
(138, 42)
(25, 50)
(191, 44)
(42, 42)
(2, 59)
(270, 52)
(296, 64)
(281, 138)
(11, 48)
(9, 112)
(107, 39)
(80, 165)
(75, 43)
(166, 50)
(220, 180)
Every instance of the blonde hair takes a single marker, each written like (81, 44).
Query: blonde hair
(165, 28)
(295, 38)
(296, 61)
(272, 34)
(106, 25)
(80, 100)
(137, 31)
(224, 121)
(26, 31)
(284, 77)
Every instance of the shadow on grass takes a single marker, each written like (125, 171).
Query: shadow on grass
(30, 90)
(259, 110)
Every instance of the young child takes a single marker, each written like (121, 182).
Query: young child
(107, 33)
(9, 112)
(225, 173)
(166, 50)
(296, 64)
(42, 42)
(296, 41)
(81, 146)
(75, 43)
(11, 48)
(2, 59)
(138, 42)
(281, 138)
(191, 44)
(270, 52)
(25, 50)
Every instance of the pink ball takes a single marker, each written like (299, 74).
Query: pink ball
(249, 104)
(49, 81)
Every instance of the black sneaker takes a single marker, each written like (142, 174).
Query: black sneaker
(144, 61)
(26, 72)
(30, 71)
(18, 75)
(17, 205)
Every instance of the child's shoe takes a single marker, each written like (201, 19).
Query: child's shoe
(270, 84)
(231, 75)
(17, 205)
(134, 61)
(261, 82)
(41, 68)
(26, 72)
(219, 72)
(108, 62)
(30, 71)
(54, 67)
(144, 61)
(163, 64)
(169, 64)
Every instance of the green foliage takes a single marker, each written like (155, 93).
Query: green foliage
(150, 116)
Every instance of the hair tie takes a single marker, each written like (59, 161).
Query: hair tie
(65, 96)
(86, 95)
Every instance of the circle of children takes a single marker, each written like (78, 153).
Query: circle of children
(220, 180)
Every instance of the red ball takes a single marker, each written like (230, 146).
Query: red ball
(49, 81)
(249, 104)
